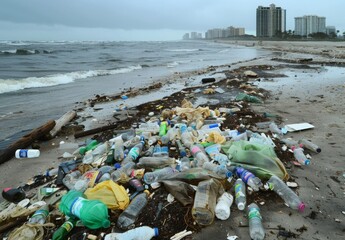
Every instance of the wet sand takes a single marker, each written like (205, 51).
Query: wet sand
(307, 95)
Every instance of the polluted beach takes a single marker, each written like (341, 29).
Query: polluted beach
(116, 130)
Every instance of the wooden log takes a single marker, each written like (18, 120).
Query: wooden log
(25, 141)
(62, 121)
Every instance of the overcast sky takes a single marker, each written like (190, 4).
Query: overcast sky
(145, 19)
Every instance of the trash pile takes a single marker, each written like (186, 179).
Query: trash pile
(165, 178)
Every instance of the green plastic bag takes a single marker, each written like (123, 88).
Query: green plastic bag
(258, 158)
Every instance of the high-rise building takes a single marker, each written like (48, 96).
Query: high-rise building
(270, 21)
(309, 24)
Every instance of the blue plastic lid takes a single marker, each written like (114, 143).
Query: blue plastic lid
(228, 174)
(117, 165)
(156, 231)
(307, 162)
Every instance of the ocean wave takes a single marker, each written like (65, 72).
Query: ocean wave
(24, 52)
(176, 63)
(10, 85)
(184, 50)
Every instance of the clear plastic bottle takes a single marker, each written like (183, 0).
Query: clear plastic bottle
(256, 230)
(126, 170)
(151, 177)
(199, 156)
(249, 178)
(128, 217)
(290, 142)
(205, 200)
(52, 172)
(70, 179)
(160, 151)
(275, 129)
(118, 150)
(290, 198)
(214, 152)
(240, 194)
(186, 136)
(152, 127)
(136, 150)
(309, 145)
(100, 150)
(184, 164)
(224, 203)
(139, 233)
(128, 135)
(220, 170)
(155, 162)
(171, 135)
(299, 155)
(181, 148)
(40, 216)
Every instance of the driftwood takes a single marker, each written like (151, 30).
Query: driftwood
(25, 141)
(93, 131)
(62, 121)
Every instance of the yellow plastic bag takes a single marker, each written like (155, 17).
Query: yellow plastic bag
(110, 193)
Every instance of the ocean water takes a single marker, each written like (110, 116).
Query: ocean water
(43, 80)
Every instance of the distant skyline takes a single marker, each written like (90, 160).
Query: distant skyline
(122, 20)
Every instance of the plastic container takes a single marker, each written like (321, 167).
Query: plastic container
(240, 194)
(126, 169)
(290, 198)
(256, 230)
(199, 156)
(62, 232)
(151, 177)
(14, 195)
(224, 203)
(27, 153)
(92, 213)
(181, 148)
(220, 170)
(140, 233)
(92, 145)
(299, 156)
(163, 128)
(309, 145)
(205, 200)
(160, 151)
(128, 217)
(40, 216)
(152, 127)
(249, 178)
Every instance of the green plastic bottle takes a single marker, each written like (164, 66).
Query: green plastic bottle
(92, 145)
(163, 128)
(62, 232)
(92, 213)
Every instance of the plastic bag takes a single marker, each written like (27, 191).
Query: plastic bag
(182, 191)
(110, 193)
(258, 158)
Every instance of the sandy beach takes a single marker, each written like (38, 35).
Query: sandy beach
(312, 92)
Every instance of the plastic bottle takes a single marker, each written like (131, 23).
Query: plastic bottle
(27, 153)
(62, 232)
(184, 164)
(163, 128)
(290, 142)
(199, 156)
(136, 185)
(100, 150)
(220, 170)
(128, 135)
(88, 158)
(52, 172)
(92, 213)
(275, 129)
(240, 194)
(151, 177)
(181, 148)
(205, 201)
(309, 145)
(186, 136)
(299, 156)
(128, 217)
(155, 162)
(40, 216)
(70, 179)
(256, 230)
(14, 195)
(214, 152)
(92, 145)
(125, 170)
(152, 140)
(136, 150)
(290, 198)
(64, 168)
(140, 233)
(224, 203)
(159, 151)
(110, 156)
(249, 178)
(118, 150)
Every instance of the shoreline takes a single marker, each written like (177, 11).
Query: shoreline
(319, 190)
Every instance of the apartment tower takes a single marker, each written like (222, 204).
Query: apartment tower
(270, 21)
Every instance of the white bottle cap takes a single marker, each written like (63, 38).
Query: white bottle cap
(240, 206)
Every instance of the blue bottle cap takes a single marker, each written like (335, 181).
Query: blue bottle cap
(228, 174)
(307, 162)
(156, 232)
(117, 165)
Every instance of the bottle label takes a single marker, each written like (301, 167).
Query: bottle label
(23, 153)
(246, 175)
(254, 213)
(67, 226)
(77, 206)
(41, 212)
(134, 153)
(238, 190)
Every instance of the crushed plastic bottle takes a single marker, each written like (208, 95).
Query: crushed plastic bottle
(140, 233)
(224, 203)
(249, 178)
(290, 198)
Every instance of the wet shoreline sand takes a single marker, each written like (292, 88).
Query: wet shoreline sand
(321, 185)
